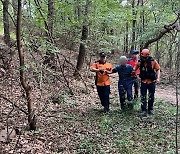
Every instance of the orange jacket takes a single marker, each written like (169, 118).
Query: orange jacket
(102, 79)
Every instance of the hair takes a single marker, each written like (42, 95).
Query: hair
(123, 58)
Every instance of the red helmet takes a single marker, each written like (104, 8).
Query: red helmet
(145, 52)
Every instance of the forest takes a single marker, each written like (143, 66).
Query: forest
(48, 98)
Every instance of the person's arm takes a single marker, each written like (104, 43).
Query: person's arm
(133, 73)
(114, 70)
(109, 69)
(158, 76)
(157, 68)
(94, 68)
(137, 66)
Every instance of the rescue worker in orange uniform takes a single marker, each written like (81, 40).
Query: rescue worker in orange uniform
(150, 75)
(102, 69)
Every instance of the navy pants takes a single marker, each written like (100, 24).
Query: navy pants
(103, 92)
(125, 86)
(136, 87)
(144, 89)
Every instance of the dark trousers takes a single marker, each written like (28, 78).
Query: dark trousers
(144, 89)
(125, 86)
(103, 92)
(136, 87)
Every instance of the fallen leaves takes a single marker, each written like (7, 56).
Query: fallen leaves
(7, 134)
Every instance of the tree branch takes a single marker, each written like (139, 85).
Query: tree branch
(8, 100)
(167, 29)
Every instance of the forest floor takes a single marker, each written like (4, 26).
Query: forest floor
(166, 93)
(76, 124)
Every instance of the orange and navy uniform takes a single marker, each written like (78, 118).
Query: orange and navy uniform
(102, 79)
(133, 63)
(155, 66)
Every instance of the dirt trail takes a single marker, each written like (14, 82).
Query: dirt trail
(164, 92)
(167, 93)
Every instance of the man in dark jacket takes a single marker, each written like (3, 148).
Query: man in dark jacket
(125, 82)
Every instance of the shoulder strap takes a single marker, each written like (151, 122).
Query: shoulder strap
(151, 58)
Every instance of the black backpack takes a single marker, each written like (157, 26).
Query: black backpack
(147, 72)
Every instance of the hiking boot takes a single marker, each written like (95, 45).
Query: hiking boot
(102, 104)
(106, 110)
(143, 113)
(135, 97)
(130, 106)
(151, 112)
(123, 108)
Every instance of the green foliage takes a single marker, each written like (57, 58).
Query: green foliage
(105, 124)
(86, 146)
(130, 133)
(103, 17)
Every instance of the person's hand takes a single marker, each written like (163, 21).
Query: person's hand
(108, 71)
(157, 80)
(101, 71)
(138, 77)
(133, 74)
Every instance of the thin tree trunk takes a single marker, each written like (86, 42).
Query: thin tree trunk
(50, 16)
(157, 51)
(142, 23)
(133, 26)
(26, 87)
(14, 6)
(177, 92)
(82, 48)
(84, 36)
(79, 11)
(6, 22)
(49, 57)
(127, 37)
(124, 47)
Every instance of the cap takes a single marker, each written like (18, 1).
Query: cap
(102, 54)
(134, 52)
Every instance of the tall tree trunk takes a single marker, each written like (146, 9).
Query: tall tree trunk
(157, 54)
(79, 11)
(177, 92)
(124, 47)
(142, 23)
(6, 22)
(26, 87)
(127, 37)
(82, 49)
(84, 36)
(50, 16)
(133, 25)
(14, 7)
(49, 57)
